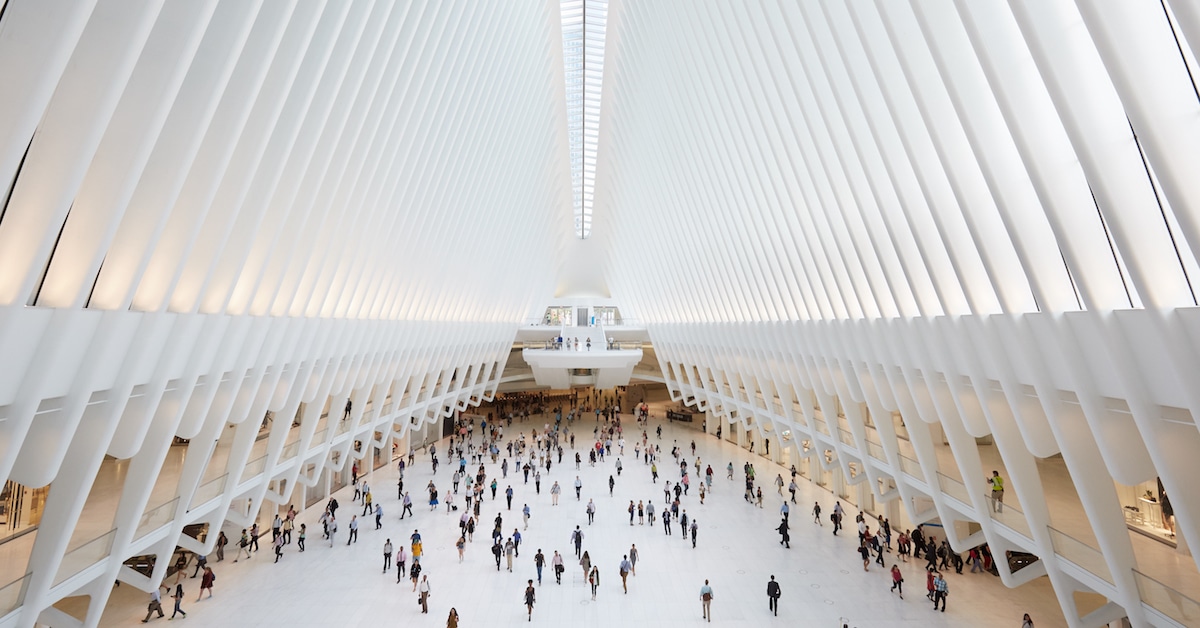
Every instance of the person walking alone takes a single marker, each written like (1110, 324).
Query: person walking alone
(940, 591)
(626, 567)
(897, 580)
(424, 593)
(178, 597)
(387, 555)
(773, 594)
(530, 596)
(706, 597)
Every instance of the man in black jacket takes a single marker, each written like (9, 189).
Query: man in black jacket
(773, 595)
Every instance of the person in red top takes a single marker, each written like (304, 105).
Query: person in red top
(929, 574)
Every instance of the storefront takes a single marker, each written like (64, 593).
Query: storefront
(1148, 510)
(20, 509)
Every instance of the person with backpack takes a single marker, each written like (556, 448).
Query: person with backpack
(206, 582)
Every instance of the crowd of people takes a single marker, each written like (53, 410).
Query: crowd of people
(479, 477)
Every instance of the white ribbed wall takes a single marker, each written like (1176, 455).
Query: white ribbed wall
(934, 208)
(224, 208)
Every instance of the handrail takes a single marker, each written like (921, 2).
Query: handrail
(12, 595)
(155, 518)
(209, 490)
(1085, 556)
(911, 467)
(290, 450)
(1158, 596)
(1010, 516)
(875, 450)
(954, 488)
(254, 468)
(84, 556)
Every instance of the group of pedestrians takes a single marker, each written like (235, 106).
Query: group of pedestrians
(531, 456)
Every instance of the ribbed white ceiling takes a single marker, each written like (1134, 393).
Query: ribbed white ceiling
(322, 159)
(845, 160)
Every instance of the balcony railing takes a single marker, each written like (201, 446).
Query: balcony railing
(209, 490)
(1158, 596)
(954, 488)
(846, 437)
(876, 451)
(290, 450)
(12, 595)
(84, 556)
(254, 468)
(155, 518)
(1009, 516)
(911, 467)
(1085, 556)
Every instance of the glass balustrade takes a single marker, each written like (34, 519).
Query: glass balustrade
(254, 468)
(1009, 516)
(1156, 595)
(84, 556)
(911, 467)
(875, 450)
(1085, 556)
(210, 490)
(155, 518)
(290, 450)
(12, 595)
(954, 488)
(846, 437)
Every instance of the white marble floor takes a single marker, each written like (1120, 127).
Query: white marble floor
(738, 549)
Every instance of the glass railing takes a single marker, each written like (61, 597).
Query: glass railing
(1085, 556)
(343, 427)
(1155, 594)
(254, 468)
(210, 490)
(846, 437)
(290, 450)
(821, 427)
(876, 451)
(84, 556)
(319, 437)
(156, 518)
(911, 467)
(12, 595)
(1009, 516)
(954, 488)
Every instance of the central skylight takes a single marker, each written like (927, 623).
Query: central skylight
(584, 22)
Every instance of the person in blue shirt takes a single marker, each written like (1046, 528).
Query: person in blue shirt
(706, 596)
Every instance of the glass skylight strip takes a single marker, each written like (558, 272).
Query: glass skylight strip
(583, 23)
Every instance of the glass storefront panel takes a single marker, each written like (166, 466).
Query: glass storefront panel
(20, 509)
